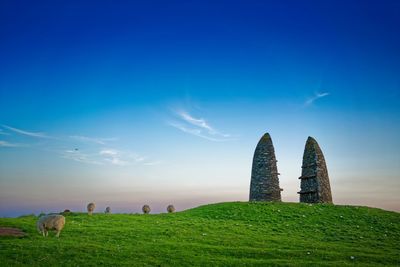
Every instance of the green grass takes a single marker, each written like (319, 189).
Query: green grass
(226, 234)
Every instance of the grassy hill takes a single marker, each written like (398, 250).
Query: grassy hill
(226, 234)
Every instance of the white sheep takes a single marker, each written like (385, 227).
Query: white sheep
(171, 208)
(146, 209)
(90, 208)
(51, 222)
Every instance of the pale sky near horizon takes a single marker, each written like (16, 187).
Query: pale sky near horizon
(163, 103)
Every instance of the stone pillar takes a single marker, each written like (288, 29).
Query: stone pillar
(264, 185)
(314, 187)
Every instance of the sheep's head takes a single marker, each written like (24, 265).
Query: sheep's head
(39, 226)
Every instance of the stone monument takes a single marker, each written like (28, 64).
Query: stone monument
(264, 185)
(314, 187)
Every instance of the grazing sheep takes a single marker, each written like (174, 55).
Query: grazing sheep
(171, 208)
(146, 209)
(90, 208)
(108, 210)
(51, 222)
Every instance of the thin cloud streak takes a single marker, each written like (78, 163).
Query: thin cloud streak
(315, 97)
(96, 140)
(201, 123)
(99, 155)
(27, 133)
(3, 133)
(109, 152)
(195, 132)
(79, 157)
(113, 157)
(198, 127)
(197, 122)
(8, 144)
(153, 163)
(107, 156)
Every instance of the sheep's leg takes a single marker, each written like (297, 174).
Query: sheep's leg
(58, 233)
(43, 233)
(47, 232)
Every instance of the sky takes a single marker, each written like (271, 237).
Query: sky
(126, 103)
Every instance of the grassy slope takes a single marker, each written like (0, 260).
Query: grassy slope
(219, 234)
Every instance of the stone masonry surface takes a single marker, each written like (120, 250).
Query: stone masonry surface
(314, 186)
(264, 185)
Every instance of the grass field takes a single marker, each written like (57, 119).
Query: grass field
(226, 234)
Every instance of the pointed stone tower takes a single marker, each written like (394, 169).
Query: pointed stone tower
(315, 187)
(264, 185)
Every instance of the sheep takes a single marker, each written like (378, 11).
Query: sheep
(90, 208)
(50, 222)
(146, 209)
(171, 208)
(108, 210)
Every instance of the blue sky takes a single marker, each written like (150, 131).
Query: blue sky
(164, 102)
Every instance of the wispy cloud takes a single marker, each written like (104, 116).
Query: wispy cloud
(108, 152)
(96, 140)
(152, 163)
(122, 158)
(3, 133)
(8, 144)
(79, 156)
(114, 157)
(198, 127)
(195, 132)
(106, 157)
(315, 97)
(92, 153)
(27, 133)
(196, 122)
